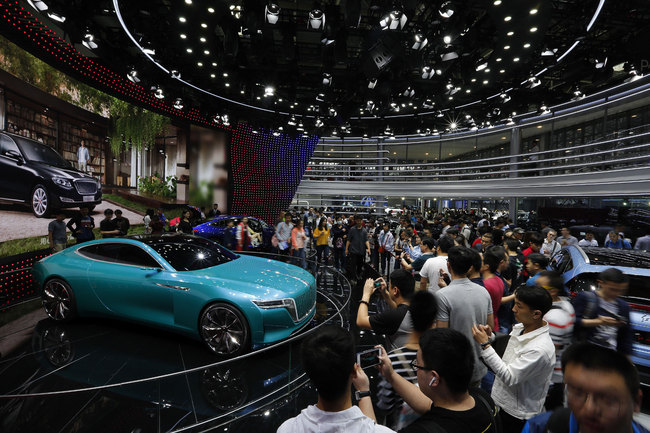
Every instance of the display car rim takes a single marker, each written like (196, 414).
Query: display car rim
(39, 201)
(56, 300)
(223, 330)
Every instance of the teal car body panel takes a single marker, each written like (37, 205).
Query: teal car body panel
(161, 296)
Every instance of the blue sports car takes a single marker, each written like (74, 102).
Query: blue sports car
(183, 283)
(215, 228)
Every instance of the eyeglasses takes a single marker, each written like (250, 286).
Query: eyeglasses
(607, 404)
(416, 367)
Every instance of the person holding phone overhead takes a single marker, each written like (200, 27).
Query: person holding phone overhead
(395, 322)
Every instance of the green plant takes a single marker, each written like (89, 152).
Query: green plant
(155, 185)
(133, 126)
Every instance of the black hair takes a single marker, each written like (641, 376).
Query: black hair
(108, 211)
(328, 359)
(477, 260)
(423, 310)
(460, 260)
(535, 238)
(404, 281)
(512, 244)
(118, 211)
(449, 353)
(590, 232)
(452, 232)
(493, 257)
(538, 259)
(599, 358)
(429, 242)
(535, 297)
(445, 243)
(555, 280)
(613, 275)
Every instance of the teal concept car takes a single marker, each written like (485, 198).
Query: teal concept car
(182, 283)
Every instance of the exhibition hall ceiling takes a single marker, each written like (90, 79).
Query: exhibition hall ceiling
(356, 67)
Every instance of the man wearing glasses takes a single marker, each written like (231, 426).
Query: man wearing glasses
(603, 394)
(444, 365)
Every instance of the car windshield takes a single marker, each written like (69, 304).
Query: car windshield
(42, 153)
(615, 257)
(185, 253)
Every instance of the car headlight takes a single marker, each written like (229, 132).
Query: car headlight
(288, 304)
(63, 182)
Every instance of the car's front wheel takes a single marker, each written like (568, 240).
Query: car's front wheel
(224, 330)
(59, 301)
(41, 204)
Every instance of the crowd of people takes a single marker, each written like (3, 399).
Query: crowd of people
(479, 335)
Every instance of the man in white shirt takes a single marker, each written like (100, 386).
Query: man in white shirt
(523, 376)
(589, 240)
(82, 156)
(328, 358)
(430, 272)
(551, 246)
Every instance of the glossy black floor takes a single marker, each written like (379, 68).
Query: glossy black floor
(106, 376)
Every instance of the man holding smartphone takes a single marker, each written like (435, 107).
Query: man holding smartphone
(395, 322)
(602, 317)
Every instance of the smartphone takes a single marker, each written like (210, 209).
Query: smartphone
(369, 358)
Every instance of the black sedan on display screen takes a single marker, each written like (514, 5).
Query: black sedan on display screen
(35, 174)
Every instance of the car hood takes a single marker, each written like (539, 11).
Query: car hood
(53, 170)
(260, 277)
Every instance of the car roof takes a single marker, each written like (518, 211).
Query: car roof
(599, 258)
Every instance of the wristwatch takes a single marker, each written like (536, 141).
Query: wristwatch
(484, 345)
(361, 394)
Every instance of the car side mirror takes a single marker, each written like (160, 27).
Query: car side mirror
(15, 156)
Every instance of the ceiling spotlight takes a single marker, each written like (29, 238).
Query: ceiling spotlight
(38, 5)
(448, 53)
(482, 64)
(388, 131)
(428, 103)
(409, 92)
(546, 52)
(577, 94)
(89, 41)
(532, 82)
(447, 39)
(439, 113)
(292, 120)
(543, 109)
(510, 121)
(175, 74)
(419, 41)
(600, 63)
(507, 19)
(331, 112)
(372, 83)
(497, 2)
(318, 123)
(132, 75)
(395, 20)
(428, 72)
(370, 105)
(269, 91)
(453, 125)
(272, 13)
(316, 19)
(327, 79)
(56, 17)
(633, 75)
(178, 104)
(504, 97)
(446, 9)
(225, 120)
(158, 92)
(533, 11)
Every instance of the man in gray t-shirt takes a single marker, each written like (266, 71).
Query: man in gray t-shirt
(463, 303)
(357, 246)
(56, 233)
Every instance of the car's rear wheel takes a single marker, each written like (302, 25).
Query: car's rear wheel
(41, 204)
(59, 301)
(224, 330)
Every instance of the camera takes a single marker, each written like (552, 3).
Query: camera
(369, 358)
(377, 284)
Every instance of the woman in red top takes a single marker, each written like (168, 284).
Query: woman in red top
(242, 235)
